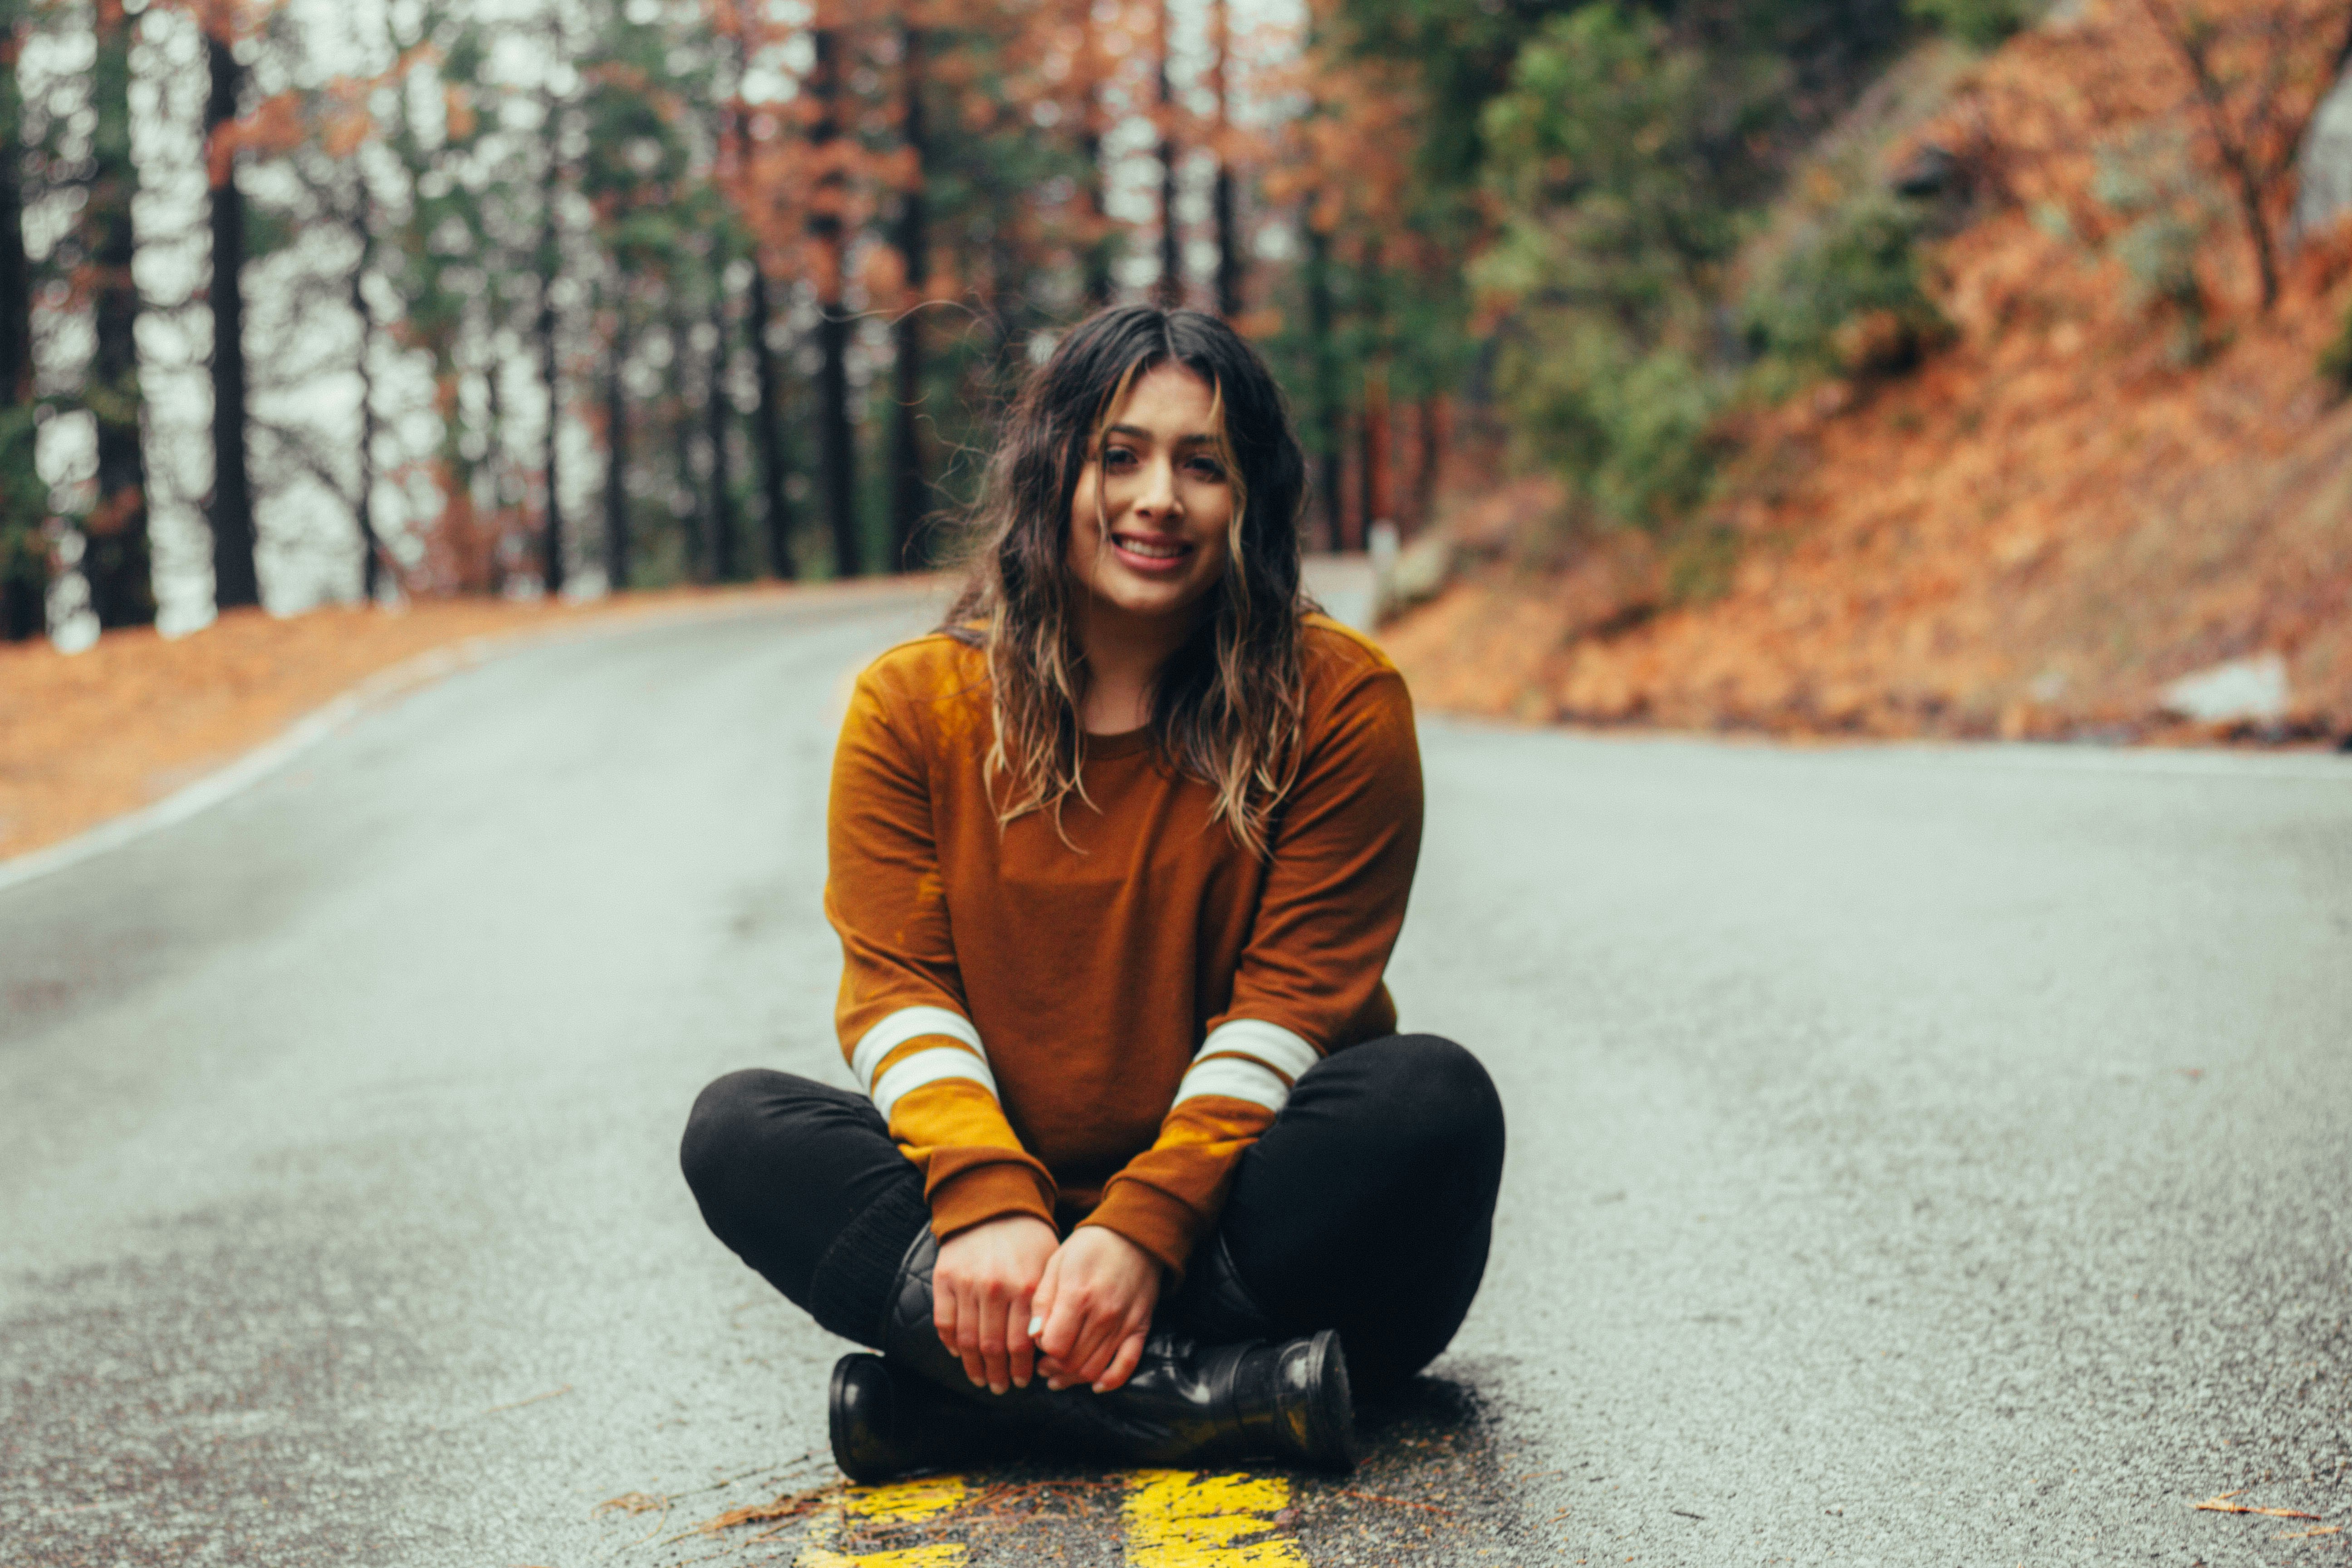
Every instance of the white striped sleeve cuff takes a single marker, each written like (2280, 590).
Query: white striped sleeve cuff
(925, 1066)
(1251, 1059)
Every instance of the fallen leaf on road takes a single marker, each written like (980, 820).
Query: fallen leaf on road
(2220, 1504)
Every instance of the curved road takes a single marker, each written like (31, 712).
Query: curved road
(1918, 1156)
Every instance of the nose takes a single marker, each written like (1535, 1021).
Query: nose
(1157, 499)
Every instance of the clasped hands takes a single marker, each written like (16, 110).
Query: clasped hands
(1012, 1300)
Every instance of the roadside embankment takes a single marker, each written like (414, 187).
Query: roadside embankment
(2099, 507)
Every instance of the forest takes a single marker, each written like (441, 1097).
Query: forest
(317, 300)
(324, 301)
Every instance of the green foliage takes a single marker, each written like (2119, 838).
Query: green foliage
(2335, 358)
(1623, 160)
(1629, 427)
(1981, 23)
(25, 542)
(1632, 161)
(1858, 261)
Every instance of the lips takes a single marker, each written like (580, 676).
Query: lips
(1151, 555)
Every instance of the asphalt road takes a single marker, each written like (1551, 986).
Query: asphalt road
(1918, 1157)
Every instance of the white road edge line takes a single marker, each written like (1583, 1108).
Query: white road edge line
(378, 691)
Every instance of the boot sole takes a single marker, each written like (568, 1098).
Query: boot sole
(1330, 1438)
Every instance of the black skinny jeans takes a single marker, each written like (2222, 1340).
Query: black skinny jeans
(1366, 1208)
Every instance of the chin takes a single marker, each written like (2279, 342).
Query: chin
(1151, 601)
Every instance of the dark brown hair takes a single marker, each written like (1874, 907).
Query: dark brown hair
(1226, 708)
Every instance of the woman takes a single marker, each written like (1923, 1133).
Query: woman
(1118, 856)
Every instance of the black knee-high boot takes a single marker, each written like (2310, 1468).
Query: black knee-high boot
(913, 1408)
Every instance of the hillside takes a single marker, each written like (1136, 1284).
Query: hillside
(2106, 477)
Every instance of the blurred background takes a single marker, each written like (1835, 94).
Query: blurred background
(1967, 367)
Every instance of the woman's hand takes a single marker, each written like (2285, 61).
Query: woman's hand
(981, 1297)
(1094, 1307)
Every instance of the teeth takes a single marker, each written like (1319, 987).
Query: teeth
(1158, 551)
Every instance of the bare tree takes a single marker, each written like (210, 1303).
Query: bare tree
(2248, 76)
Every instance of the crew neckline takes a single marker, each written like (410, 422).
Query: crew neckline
(1124, 743)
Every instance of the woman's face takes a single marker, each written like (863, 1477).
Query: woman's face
(1147, 521)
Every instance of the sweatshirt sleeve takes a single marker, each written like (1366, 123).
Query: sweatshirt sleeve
(1344, 848)
(904, 1024)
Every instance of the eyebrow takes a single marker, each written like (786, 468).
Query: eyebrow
(1138, 430)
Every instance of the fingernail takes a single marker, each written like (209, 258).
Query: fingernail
(1036, 1327)
(1054, 1384)
(997, 1388)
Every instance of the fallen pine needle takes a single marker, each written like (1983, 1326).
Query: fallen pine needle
(630, 1502)
(2316, 1530)
(782, 1508)
(1400, 1502)
(534, 1399)
(2220, 1504)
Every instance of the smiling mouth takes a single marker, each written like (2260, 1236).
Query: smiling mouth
(1158, 551)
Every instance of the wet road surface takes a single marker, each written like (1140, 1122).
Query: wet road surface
(1917, 1157)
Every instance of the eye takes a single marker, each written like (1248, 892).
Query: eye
(1208, 468)
(1118, 457)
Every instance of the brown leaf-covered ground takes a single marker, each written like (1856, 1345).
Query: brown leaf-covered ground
(2031, 534)
(88, 736)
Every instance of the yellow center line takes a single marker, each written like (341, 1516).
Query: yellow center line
(906, 1502)
(1185, 1519)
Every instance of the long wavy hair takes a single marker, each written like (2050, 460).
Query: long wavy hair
(1225, 709)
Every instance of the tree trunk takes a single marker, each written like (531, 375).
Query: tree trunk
(363, 501)
(15, 270)
(24, 500)
(909, 480)
(1436, 425)
(550, 547)
(1098, 246)
(236, 581)
(775, 469)
(687, 500)
(1374, 451)
(726, 558)
(1328, 413)
(1171, 288)
(501, 468)
(617, 455)
(1229, 253)
(836, 454)
(116, 561)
